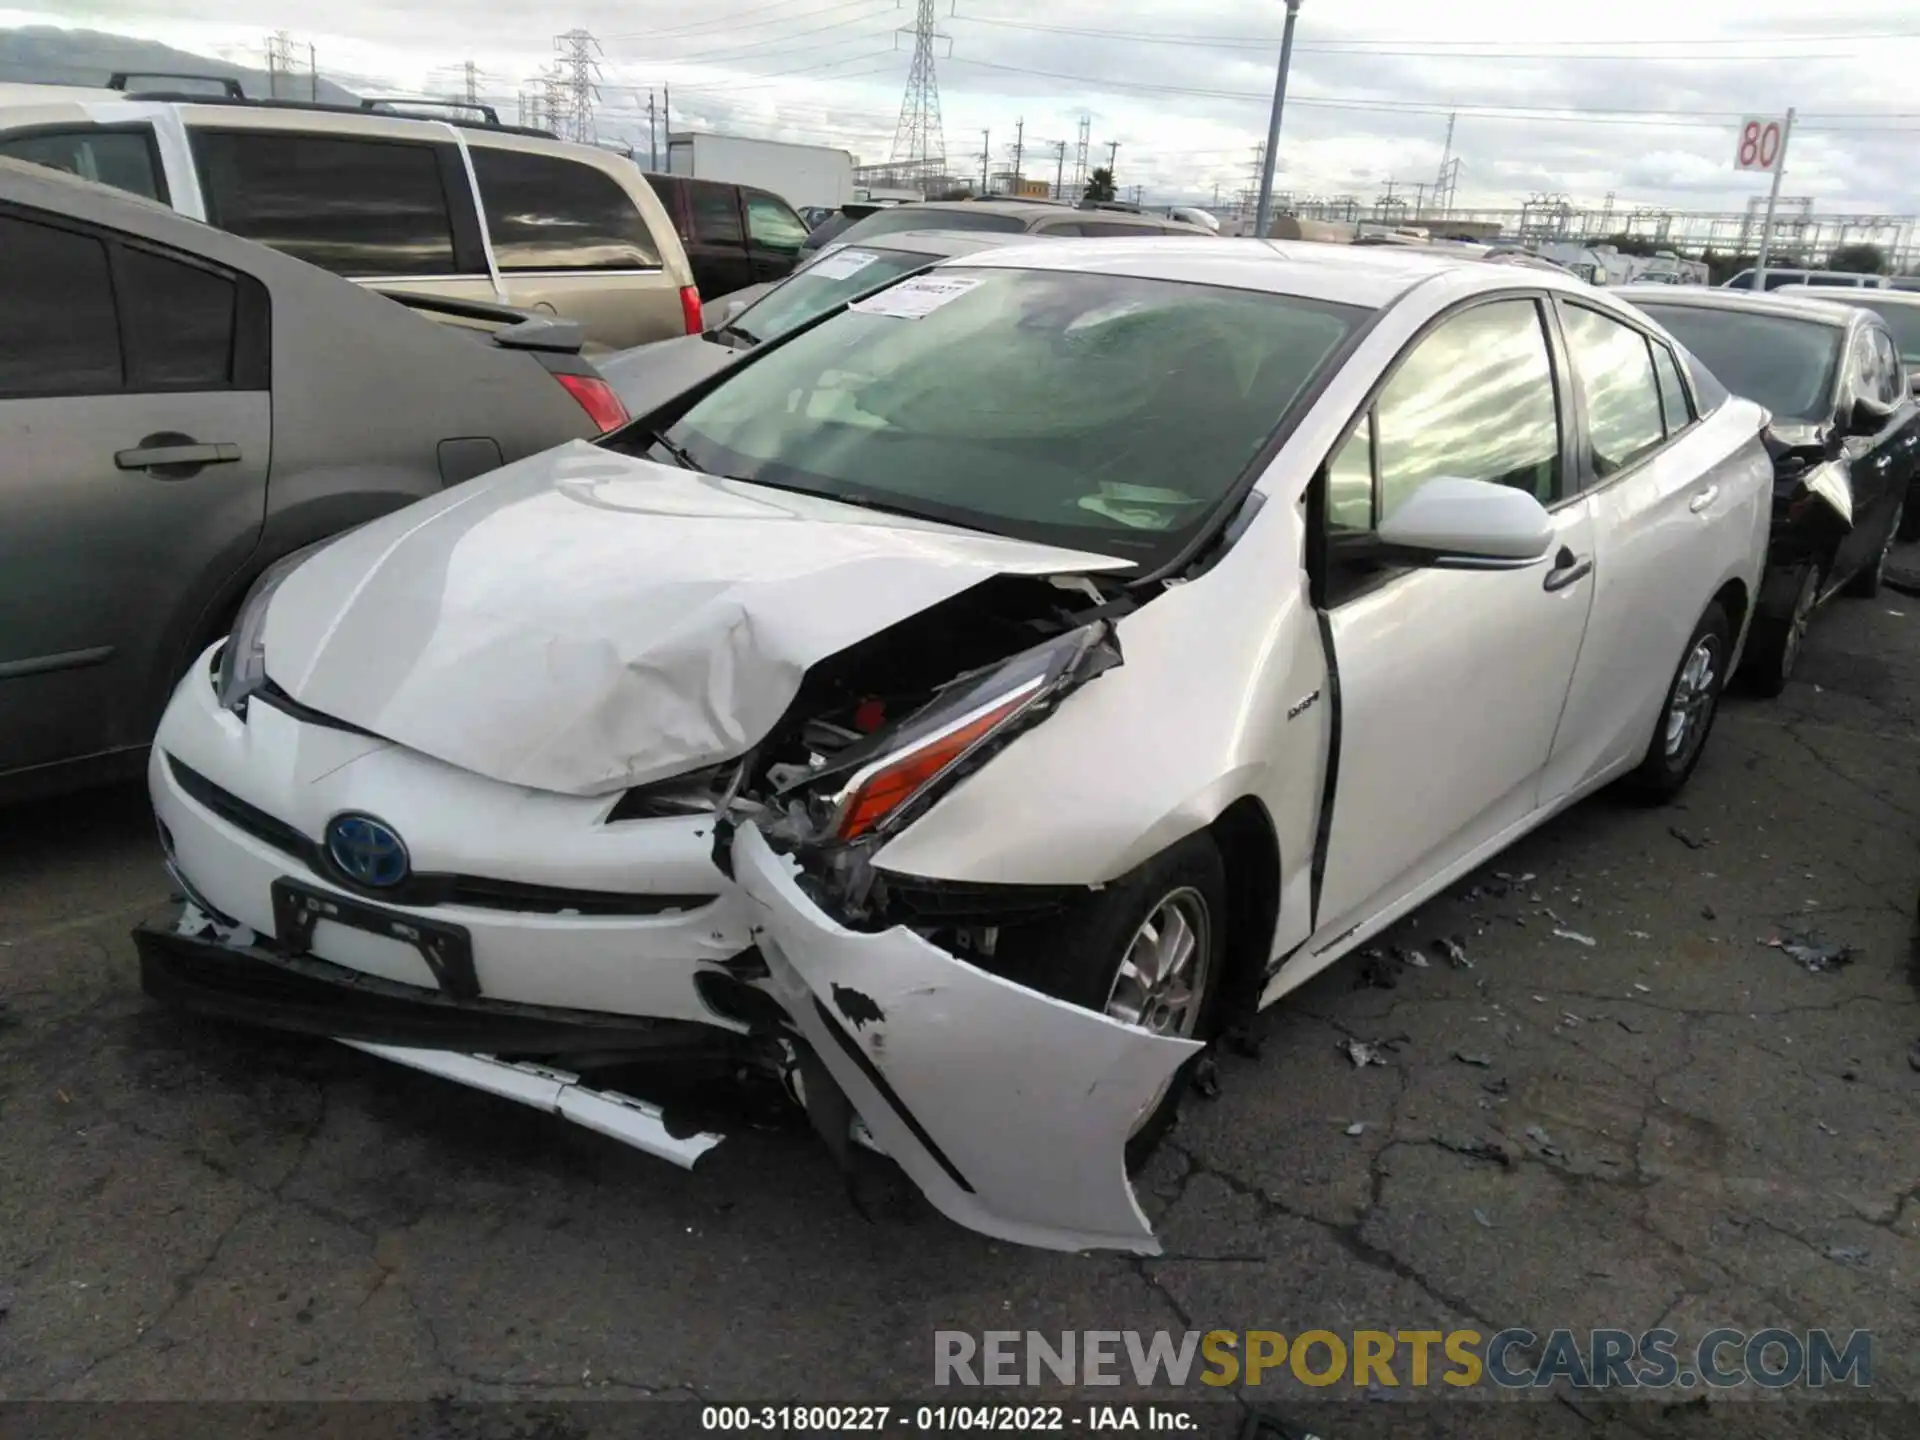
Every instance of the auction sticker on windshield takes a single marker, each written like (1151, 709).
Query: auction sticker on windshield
(918, 297)
(842, 264)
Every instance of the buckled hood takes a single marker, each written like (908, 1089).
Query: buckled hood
(583, 621)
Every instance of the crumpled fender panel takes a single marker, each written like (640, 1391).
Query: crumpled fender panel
(1009, 1110)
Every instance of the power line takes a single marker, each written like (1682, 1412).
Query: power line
(728, 22)
(1591, 114)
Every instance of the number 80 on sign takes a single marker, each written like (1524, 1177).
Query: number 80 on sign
(1759, 144)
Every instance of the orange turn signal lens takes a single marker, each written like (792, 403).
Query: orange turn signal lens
(888, 783)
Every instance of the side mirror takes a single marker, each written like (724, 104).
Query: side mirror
(1469, 524)
(731, 311)
(1867, 417)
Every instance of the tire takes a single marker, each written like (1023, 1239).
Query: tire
(1909, 527)
(1773, 649)
(1078, 956)
(1675, 746)
(1866, 585)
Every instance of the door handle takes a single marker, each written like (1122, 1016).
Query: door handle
(145, 457)
(1705, 498)
(1567, 568)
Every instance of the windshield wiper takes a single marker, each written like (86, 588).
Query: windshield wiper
(674, 449)
(729, 332)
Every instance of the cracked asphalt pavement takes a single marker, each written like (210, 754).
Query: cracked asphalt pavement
(1676, 1123)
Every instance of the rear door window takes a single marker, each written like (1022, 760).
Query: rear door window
(1673, 394)
(56, 310)
(549, 213)
(179, 322)
(352, 206)
(716, 214)
(1615, 367)
(125, 159)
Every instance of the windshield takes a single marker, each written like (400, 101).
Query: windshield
(895, 218)
(1098, 412)
(1785, 365)
(837, 276)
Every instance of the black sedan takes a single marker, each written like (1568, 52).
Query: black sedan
(1845, 439)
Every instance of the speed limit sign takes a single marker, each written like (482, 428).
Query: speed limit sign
(1760, 143)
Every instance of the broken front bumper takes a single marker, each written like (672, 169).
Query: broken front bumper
(1010, 1110)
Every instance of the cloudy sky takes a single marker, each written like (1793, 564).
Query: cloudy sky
(1638, 97)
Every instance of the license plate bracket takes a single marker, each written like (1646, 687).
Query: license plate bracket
(446, 949)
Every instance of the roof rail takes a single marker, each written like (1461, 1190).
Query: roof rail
(384, 102)
(228, 85)
(323, 107)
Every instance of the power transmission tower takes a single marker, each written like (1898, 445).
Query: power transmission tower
(551, 94)
(1019, 146)
(1446, 159)
(279, 62)
(918, 138)
(579, 67)
(1080, 158)
(1060, 170)
(471, 76)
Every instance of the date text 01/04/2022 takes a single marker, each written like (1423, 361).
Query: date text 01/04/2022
(1011, 1419)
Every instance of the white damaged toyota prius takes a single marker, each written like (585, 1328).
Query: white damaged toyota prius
(954, 714)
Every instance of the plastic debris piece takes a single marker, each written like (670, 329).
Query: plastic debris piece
(1483, 1061)
(1358, 1127)
(1686, 839)
(1206, 1077)
(1707, 912)
(1643, 989)
(1416, 959)
(1567, 1017)
(1639, 935)
(1362, 1054)
(1481, 1216)
(1543, 1140)
(1630, 1028)
(1576, 937)
(1814, 955)
(1499, 1085)
(1847, 1254)
(1456, 953)
(1825, 1128)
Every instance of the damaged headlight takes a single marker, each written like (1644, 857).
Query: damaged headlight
(892, 769)
(243, 663)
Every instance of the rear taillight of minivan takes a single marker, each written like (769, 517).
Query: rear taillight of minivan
(596, 397)
(690, 309)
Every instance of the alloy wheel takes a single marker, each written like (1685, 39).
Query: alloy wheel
(1693, 697)
(1797, 623)
(1161, 985)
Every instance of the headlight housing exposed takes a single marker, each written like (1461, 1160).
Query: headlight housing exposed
(243, 663)
(895, 768)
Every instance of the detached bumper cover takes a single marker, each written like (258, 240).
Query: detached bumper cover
(1010, 1110)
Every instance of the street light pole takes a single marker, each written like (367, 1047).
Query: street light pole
(1263, 213)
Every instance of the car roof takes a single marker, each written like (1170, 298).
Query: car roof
(932, 241)
(1044, 209)
(1862, 297)
(1750, 302)
(1371, 276)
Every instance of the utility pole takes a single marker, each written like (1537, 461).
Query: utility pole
(1446, 157)
(986, 153)
(1060, 170)
(1019, 143)
(1263, 214)
(1080, 155)
(1113, 149)
(653, 143)
(279, 62)
(470, 79)
(313, 76)
(1773, 199)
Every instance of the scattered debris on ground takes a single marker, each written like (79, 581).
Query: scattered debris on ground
(1499, 1085)
(1643, 989)
(1206, 1076)
(1638, 935)
(1847, 1254)
(1455, 952)
(1691, 841)
(1540, 1137)
(1376, 970)
(1707, 912)
(1814, 955)
(1483, 1061)
(1481, 1216)
(1415, 958)
(1370, 1052)
(1359, 1127)
(1490, 1151)
(1576, 937)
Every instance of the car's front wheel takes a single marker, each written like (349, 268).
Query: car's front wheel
(1147, 950)
(1773, 647)
(1685, 720)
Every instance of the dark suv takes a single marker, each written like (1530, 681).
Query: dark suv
(734, 235)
